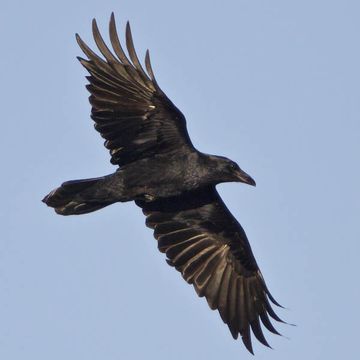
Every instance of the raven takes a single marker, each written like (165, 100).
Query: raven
(173, 183)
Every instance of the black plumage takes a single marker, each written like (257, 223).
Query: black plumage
(174, 184)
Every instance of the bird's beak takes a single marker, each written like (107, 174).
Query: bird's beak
(243, 177)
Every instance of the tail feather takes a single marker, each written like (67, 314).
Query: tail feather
(77, 197)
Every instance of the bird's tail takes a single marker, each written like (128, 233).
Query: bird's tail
(78, 197)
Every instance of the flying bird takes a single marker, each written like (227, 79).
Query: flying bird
(159, 168)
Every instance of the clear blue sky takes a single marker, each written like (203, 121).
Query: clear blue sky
(274, 85)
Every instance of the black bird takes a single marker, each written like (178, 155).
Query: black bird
(174, 184)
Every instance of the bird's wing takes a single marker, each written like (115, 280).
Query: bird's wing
(130, 110)
(208, 246)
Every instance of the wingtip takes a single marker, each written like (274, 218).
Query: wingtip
(147, 61)
(274, 301)
(234, 333)
(112, 23)
(94, 25)
(79, 40)
(246, 339)
(249, 347)
(265, 343)
(112, 17)
(128, 35)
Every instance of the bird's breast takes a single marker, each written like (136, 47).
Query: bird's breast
(161, 176)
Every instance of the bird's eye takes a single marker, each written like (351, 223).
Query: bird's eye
(233, 166)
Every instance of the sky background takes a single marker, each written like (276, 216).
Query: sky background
(275, 86)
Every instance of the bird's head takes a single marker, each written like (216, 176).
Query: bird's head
(228, 170)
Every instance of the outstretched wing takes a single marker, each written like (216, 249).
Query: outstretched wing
(129, 109)
(208, 246)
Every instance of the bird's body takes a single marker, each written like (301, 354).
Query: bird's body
(174, 184)
(159, 176)
(169, 175)
(163, 176)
